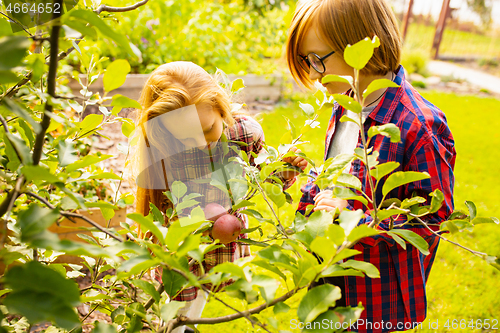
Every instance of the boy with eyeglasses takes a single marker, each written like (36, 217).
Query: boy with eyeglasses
(318, 35)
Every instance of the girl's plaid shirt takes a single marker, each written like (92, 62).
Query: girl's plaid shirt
(194, 164)
(426, 145)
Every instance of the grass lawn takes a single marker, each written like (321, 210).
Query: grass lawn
(460, 286)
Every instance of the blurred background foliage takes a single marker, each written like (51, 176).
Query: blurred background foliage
(244, 36)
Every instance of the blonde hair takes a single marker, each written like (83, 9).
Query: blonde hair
(171, 87)
(343, 22)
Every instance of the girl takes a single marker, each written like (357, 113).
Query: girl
(184, 114)
(319, 33)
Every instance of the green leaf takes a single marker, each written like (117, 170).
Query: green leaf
(336, 270)
(22, 149)
(103, 328)
(346, 253)
(42, 294)
(105, 175)
(345, 118)
(91, 123)
(37, 172)
(169, 310)
(307, 108)
(365, 267)
(230, 268)
(35, 220)
(195, 217)
(121, 101)
(347, 194)
(413, 201)
(472, 209)
(413, 239)
(147, 224)
(385, 213)
(358, 55)
(66, 152)
(481, 220)
(128, 128)
(12, 51)
(178, 189)
(398, 239)
(383, 169)
(156, 213)
(280, 307)
(316, 301)
(402, 177)
(266, 265)
(267, 286)
(116, 74)
(348, 103)
(237, 85)
(7, 77)
(379, 84)
(348, 220)
(275, 193)
(243, 203)
(336, 78)
(148, 288)
(93, 19)
(86, 161)
(172, 281)
(324, 107)
(437, 201)
(318, 222)
(388, 130)
(348, 180)
(20, 111)
(361, 232)
(323, 247)
(336, 234)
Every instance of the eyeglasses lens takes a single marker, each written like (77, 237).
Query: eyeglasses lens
(316, 63)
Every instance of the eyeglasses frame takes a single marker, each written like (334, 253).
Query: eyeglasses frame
(306, 59)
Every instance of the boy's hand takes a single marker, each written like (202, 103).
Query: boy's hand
(324, 201)
(297, 161)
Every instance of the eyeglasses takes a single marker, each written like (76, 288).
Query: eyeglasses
(314, 60)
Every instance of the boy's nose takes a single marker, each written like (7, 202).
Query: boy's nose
(313, 75)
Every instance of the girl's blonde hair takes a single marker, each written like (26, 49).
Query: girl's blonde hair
(343, 22)
(171, 87)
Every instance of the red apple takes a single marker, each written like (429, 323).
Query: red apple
(226, 228)
(213, 211)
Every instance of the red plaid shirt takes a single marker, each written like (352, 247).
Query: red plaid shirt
(194, 164)
(398, 297)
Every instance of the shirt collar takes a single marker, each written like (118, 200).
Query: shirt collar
(385, 109)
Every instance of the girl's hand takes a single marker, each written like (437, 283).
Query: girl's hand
(297, 161)
(325, 201)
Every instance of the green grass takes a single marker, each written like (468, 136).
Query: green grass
(454, 42)
(460, 286)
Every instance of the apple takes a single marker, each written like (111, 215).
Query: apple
(226, 228)
(213, 211)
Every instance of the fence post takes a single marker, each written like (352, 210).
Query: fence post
(438, 35)
(406, 19)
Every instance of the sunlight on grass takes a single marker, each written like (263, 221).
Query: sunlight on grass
(460, 286)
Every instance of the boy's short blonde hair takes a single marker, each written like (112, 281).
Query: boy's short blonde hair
(343, 22)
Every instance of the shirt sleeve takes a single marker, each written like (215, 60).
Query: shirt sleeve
(426, 157)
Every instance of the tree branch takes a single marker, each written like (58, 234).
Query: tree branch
(51, 86)
(479, 254)
(216, 320)
(69, 214)
(104, 8)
